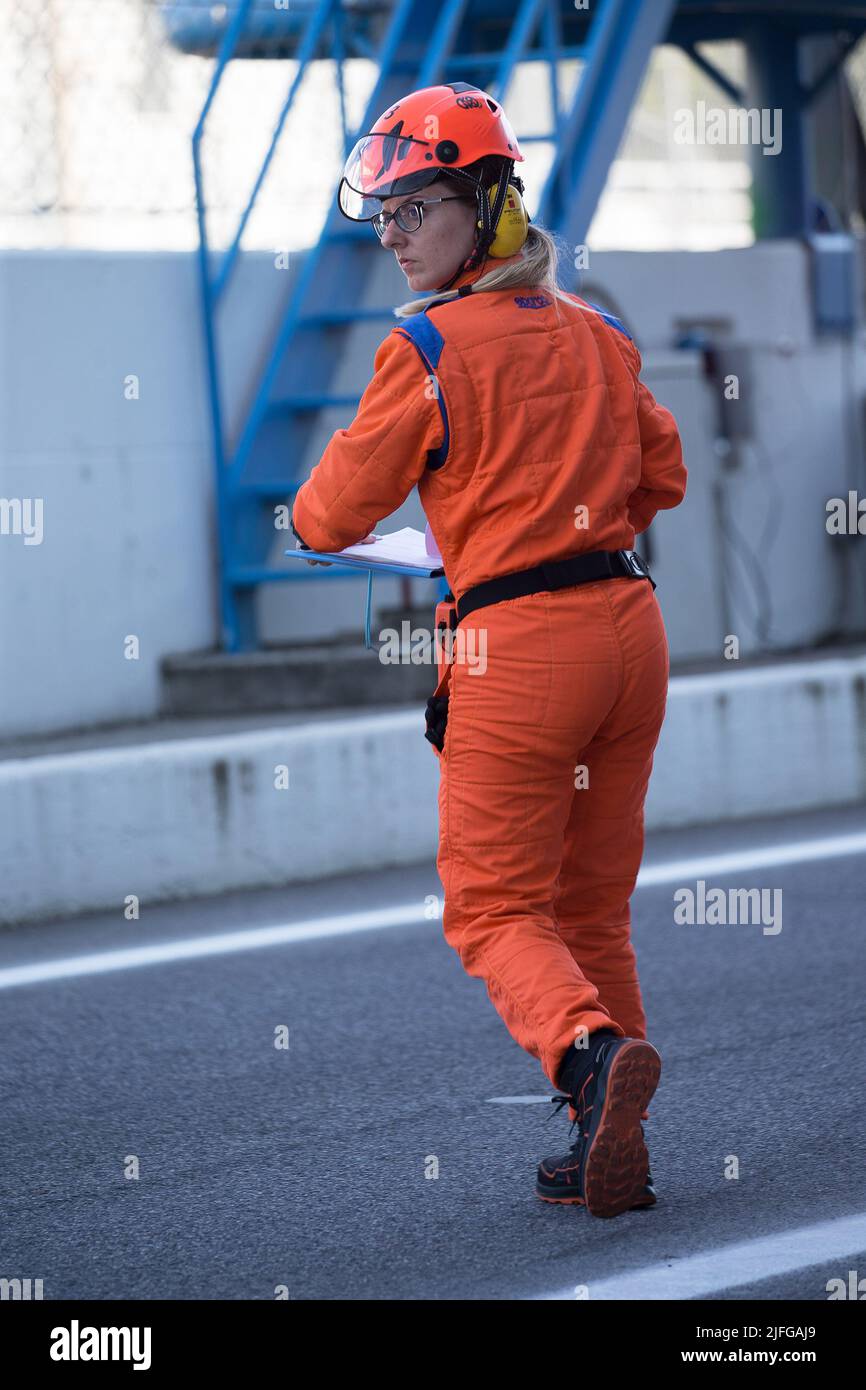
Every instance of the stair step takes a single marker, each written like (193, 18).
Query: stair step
(457, 63)
(339, 673)
(266, 487)
(337, 316)
(283, 405)
(248, 576)
(364, 234)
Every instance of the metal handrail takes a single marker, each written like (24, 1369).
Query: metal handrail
(212, 289)
(305, 279)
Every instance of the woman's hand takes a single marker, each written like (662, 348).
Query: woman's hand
(366, 541)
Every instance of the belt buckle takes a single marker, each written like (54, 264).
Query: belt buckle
(634, 564)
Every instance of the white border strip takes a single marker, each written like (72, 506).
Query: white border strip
(731, 1266)
(733, 861)
(408, 915)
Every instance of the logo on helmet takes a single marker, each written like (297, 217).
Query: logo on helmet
(468, 101)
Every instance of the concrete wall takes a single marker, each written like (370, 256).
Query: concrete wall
(270, 806)
(126, 485)
(798, 437)
(128, 542)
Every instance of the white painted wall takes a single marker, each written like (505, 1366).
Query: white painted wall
(128, 543)
(208, 815)
(125, 484)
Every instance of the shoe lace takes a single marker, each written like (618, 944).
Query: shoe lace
(578, 1101)
(582, 1110)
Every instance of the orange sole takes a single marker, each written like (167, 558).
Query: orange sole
(642, 1201)
(614, 1172)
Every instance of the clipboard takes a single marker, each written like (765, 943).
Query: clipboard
(435, 570)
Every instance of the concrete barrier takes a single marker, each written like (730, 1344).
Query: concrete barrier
(196, 816)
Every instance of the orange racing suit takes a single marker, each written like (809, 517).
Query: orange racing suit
(522, 421)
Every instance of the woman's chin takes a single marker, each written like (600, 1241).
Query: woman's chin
(419, 281)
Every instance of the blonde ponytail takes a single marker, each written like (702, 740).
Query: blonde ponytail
(538, 266)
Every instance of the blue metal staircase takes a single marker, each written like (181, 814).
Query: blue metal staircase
(414, 44)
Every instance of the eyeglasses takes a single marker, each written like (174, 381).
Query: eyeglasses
(409, 216)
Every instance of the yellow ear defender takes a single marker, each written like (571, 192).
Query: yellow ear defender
(513, 225)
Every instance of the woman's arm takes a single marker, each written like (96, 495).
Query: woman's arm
(369, 469)
(663, 473)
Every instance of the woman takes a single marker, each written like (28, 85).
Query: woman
(517, 411)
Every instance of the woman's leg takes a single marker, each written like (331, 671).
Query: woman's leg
(601, 858)
(604, 837)
(553, 672)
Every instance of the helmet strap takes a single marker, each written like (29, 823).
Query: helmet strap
(488, 215)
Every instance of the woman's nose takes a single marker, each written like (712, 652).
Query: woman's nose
(392, 237)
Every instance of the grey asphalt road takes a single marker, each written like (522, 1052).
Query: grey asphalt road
(304, 1166)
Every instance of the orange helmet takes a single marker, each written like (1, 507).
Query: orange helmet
(430, 132)
(420, 136)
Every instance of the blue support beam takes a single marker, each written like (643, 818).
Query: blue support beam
(779, 181)
(621, 39)
(522, 30)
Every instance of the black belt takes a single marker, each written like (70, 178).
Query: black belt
(555, 574)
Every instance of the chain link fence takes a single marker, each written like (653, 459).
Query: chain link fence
(96, 137)
(99, 109)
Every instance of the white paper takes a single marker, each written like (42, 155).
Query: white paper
(406, 547)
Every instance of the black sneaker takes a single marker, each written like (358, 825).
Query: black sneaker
(607, 1167)
(549, 1191)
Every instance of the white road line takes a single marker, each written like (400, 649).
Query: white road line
(732, 1266)
(518, 1100)
(733, 861)
(410, 914)
(224, 943)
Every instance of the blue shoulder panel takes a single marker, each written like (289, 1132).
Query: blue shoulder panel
(425, 335)
(609, 318)
(428, 342)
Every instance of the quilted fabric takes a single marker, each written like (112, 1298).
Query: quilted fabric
(524, 425)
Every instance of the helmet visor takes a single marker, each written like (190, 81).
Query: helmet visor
(380, 167)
